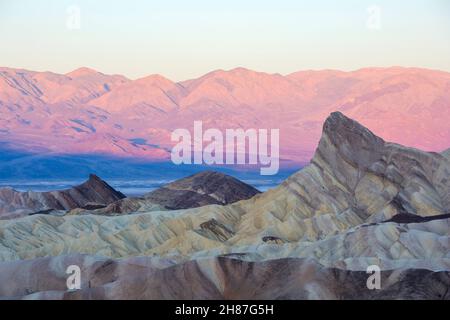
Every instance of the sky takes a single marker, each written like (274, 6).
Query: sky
(185, 39)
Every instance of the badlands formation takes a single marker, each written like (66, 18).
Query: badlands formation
(312, 237)
(92, 193)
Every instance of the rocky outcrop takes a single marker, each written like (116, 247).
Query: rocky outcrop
(446, 153)
(120, 207)
(412, 218)
(201, 189)
(361, 201)
(94, 193)
(208, 187)
(356, 172)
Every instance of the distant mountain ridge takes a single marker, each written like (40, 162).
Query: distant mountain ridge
(200, 189)
(93, 192)
(95, 196)
(88, 112)
(207, 187)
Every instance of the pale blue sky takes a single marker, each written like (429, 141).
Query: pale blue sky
(184, 39)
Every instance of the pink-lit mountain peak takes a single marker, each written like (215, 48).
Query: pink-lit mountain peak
(151, 92)
(82, 72)
(239, 74)
(156, 80)
(241, 87)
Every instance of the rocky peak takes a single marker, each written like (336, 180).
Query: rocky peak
(358, 172)
(208, 187)
(98, 190)
(221, 187)
(350, 140)
(93, 192)
(81, 72)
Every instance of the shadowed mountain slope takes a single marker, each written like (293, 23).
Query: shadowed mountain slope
(207, 187)
(204, 188)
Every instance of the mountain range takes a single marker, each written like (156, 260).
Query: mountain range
(92, 193)
(95, 196)
(88, 112)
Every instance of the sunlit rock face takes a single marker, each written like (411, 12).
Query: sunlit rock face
(360, 202)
